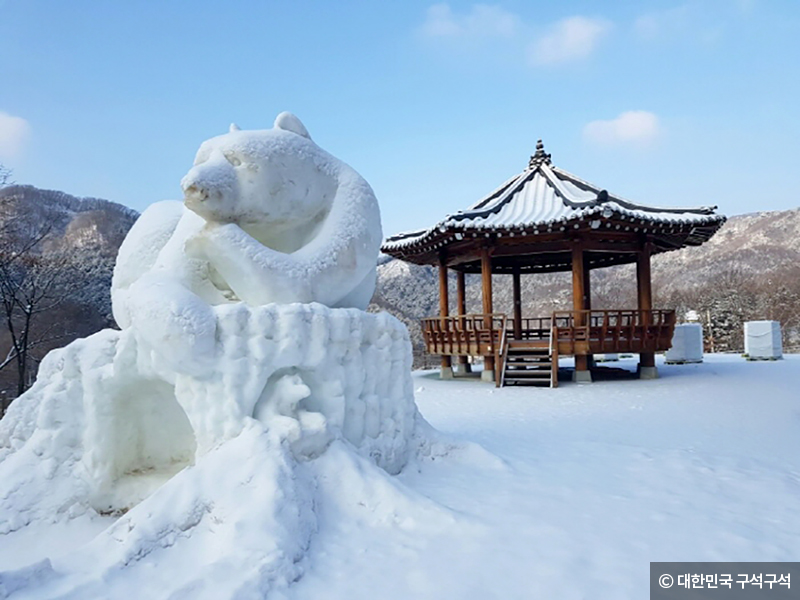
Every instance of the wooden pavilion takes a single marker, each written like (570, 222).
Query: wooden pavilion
(540, 221)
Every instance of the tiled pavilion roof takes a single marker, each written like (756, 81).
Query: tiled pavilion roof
(544, 199)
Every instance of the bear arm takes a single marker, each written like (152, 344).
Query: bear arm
(174, 322)
(327, 269)
(344, 253)
(256, 274)
(139, 251)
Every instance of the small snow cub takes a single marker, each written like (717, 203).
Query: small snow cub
(268, 216)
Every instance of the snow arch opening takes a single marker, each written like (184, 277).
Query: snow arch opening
(138, 444)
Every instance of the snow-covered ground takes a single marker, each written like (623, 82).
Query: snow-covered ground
(566, 493)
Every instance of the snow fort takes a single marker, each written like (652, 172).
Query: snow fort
(244, 352)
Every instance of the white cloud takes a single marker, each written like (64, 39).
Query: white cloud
(569, 40)
(635, 127)
(13, 134)
(481, 22)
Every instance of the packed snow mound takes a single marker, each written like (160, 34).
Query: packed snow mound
(245, 370)
(237, 525)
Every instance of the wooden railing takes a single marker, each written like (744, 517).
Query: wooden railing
(553, 362)
(464, 335)
(500, 357)
(533, 328)
(566, 332)
(597, 331)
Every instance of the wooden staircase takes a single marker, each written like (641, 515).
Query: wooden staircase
(527, 364)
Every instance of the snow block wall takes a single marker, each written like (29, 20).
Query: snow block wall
(106, 408)
(332, 372)
(762, 339)
(687, 344)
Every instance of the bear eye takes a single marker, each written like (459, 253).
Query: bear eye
(233, 159)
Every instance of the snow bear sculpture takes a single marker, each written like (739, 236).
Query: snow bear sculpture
(240, 308)
(269, 217)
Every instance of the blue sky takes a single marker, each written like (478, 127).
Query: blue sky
(666, 103)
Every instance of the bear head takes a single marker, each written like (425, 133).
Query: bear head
(276, 178)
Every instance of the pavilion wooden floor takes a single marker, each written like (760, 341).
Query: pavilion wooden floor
(526, 351)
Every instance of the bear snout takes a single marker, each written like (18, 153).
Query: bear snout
(209, 182)
(195, 194)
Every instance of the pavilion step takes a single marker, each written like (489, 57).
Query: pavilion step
(528, 351)
(538, 374)
(518, 368)
(518, 381)
(532, 351)
(528, 366)
(529, 361)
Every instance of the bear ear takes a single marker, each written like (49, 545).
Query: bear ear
(288, 122)
(234, 127)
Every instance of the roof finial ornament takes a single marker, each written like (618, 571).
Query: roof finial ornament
(541, 157)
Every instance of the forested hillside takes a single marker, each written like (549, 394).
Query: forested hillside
(57, 255)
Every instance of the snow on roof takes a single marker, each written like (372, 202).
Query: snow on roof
(544, 194)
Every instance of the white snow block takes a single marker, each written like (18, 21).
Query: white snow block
(687, 344)
(762, 339)
(607, 357)
(111, 410)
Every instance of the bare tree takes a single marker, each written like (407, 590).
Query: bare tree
(32, 283)
(5, 176)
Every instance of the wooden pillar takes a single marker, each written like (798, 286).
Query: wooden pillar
(578, 282)
(517, 304)
(486, 295)
(461, 293)
(444, 311)
(579, 277)
(587, 299)
(647, 360)
(461, 309)
(587, 286)
(643, 283)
